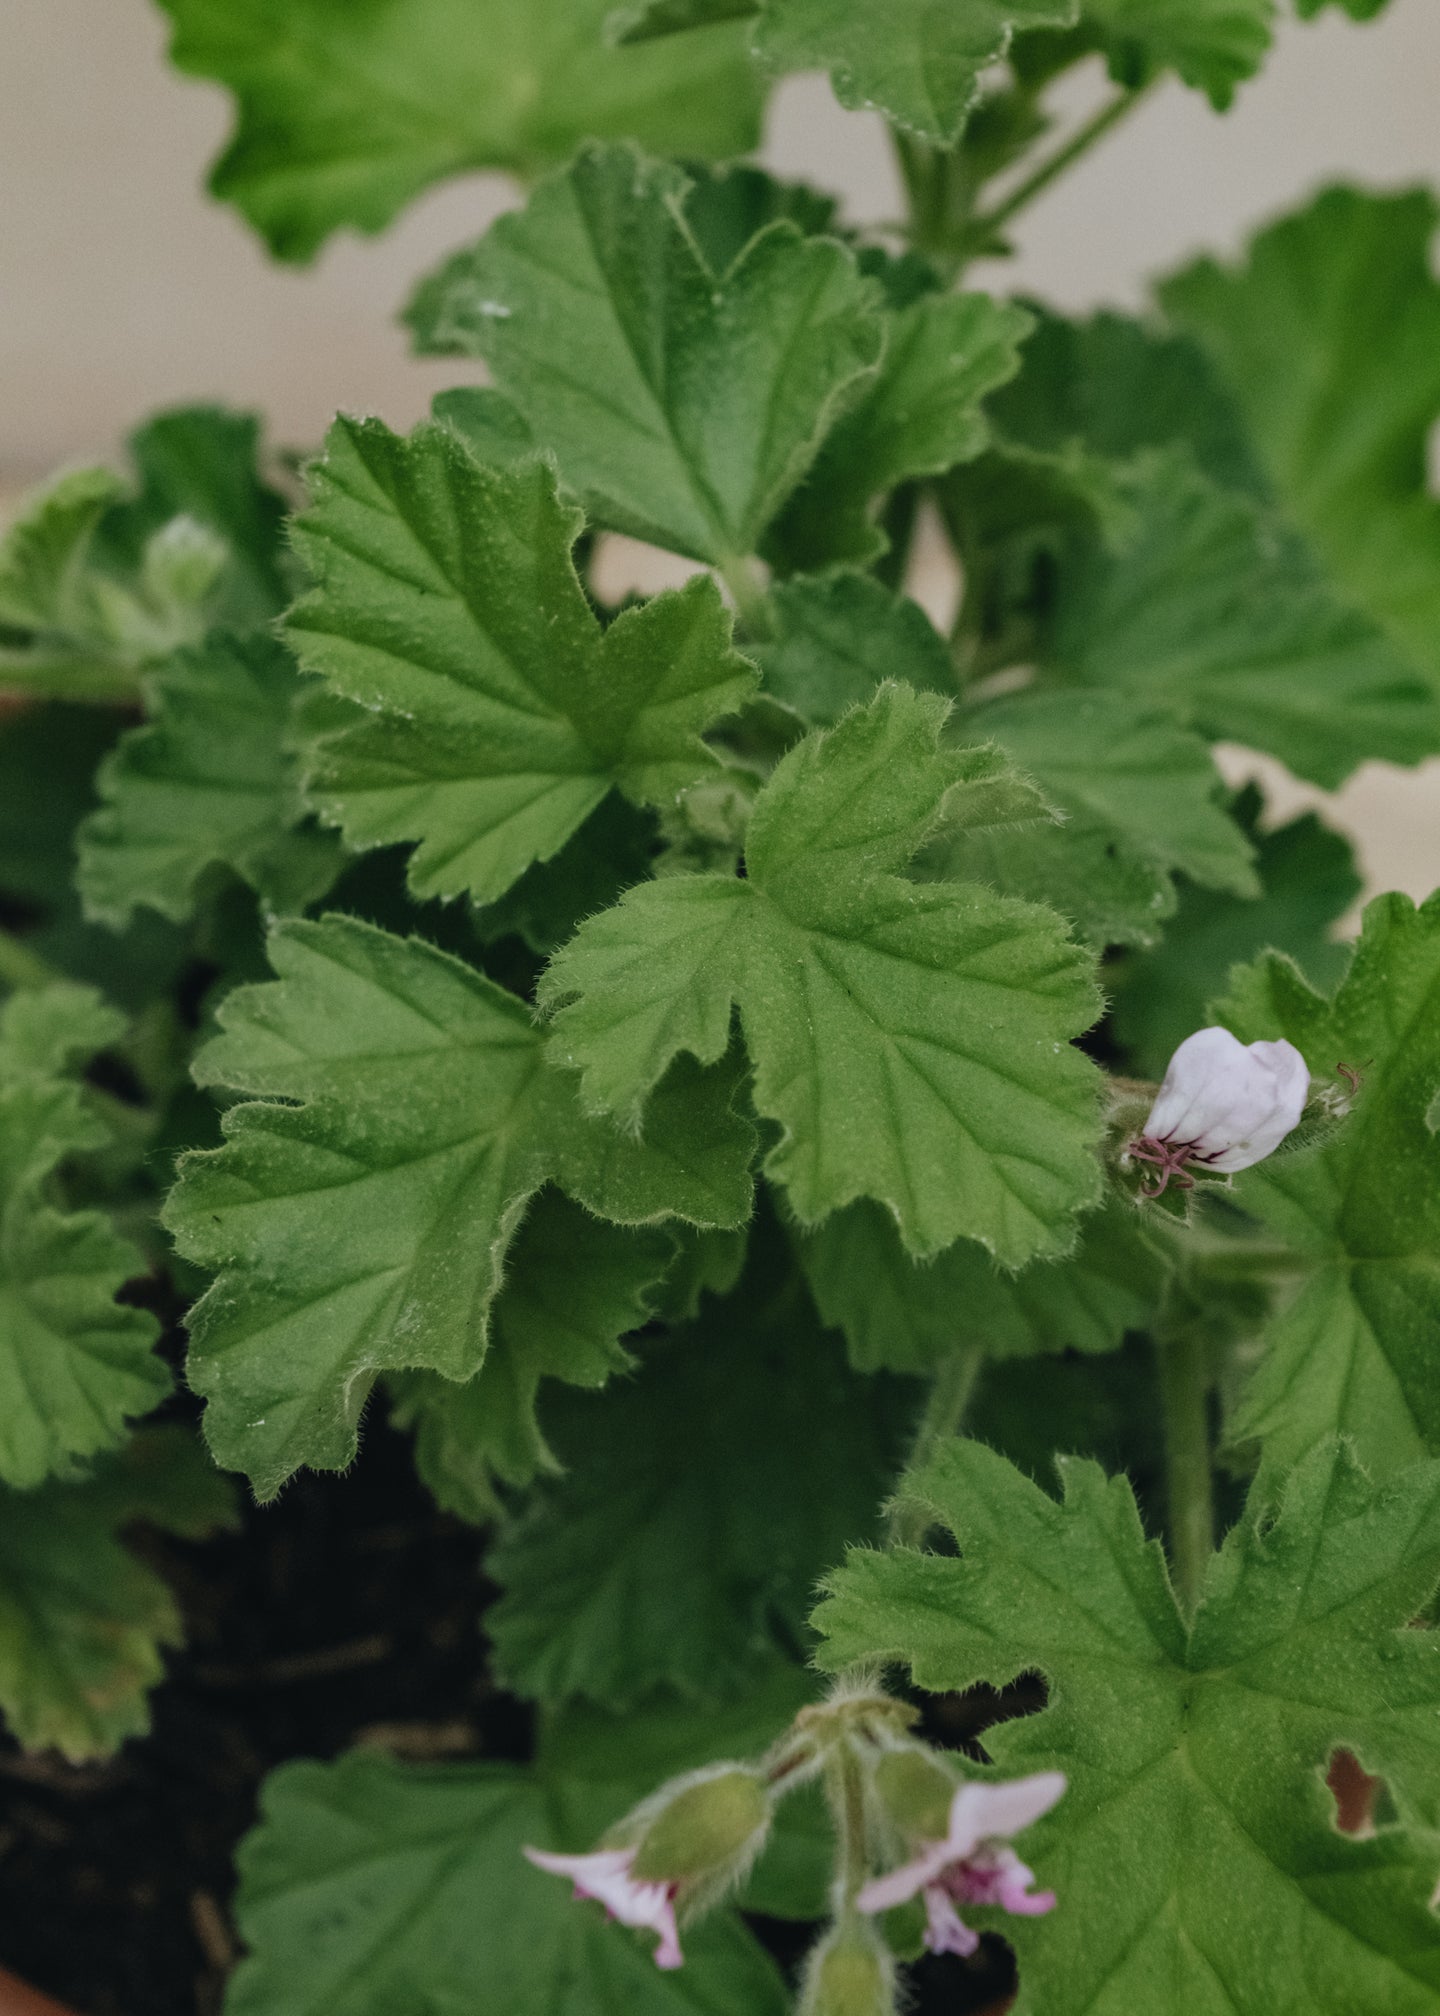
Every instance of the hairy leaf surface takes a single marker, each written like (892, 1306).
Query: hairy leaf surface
(370, 1887)
(402, 1112)
(1195, 1854)
(500, 714)
(83, 1621)
(683, 405)
(74, 1365)
(1354, 1350)
(912, 1041)
(347, 113)
(1330, 337)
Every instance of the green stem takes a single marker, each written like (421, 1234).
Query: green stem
(945, 1410)
(20, 967)
(846, 1787)
(985, 228)
(747, 591)
(1185, 1398)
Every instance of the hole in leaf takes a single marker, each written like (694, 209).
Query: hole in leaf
(1356, 1793)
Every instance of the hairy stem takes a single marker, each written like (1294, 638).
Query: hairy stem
(1050, 170)
(945, 1410)
(845, 1785)
(747, 592)
(1185, 1397)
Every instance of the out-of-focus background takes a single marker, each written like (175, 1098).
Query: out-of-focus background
(124, 287)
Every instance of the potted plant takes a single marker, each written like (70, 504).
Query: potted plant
(722, 1250)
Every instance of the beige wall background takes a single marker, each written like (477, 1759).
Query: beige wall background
(124, 287)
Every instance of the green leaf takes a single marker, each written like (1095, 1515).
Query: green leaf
(697, 1506)
(919, 61)
(82, 1621)
(1330, 337)
(204, 463)
(346, 114)
(1195, 1854)
(574, 1286)
(498, 714)
(1358, 10)
(362, 1224)
(911, 1042)
(920, 417)
(370, 1888)
(1354, 1350)
(74, 1365)
(900, 1317)
(607, 854)
(1114, 386)
(837, 638)
(96, 584)
(1308, 880)
(643, 22)
(1141, 801)
(1212, 45)
(1210, 610)
(212, 780)
(683, 406)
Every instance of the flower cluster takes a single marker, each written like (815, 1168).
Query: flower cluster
(907, 1828)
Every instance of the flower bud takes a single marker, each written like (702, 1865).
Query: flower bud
(710, 1825)
(1224, 1105)
(916, 1791)
(851, 1973)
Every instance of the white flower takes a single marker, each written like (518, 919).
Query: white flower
(1223, 1105)
(972, 1865)
(606, 1877)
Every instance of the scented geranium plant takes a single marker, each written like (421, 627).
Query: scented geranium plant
(780, 1105)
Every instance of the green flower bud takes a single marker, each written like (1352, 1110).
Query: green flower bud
(850, 1974)
(916, 1790)
(710, 1824)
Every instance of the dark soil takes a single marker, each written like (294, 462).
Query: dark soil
(350, 1610)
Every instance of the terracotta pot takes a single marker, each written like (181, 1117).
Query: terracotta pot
(18, 2000)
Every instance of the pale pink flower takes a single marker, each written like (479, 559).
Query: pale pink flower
(1223, 1105)
(606, 1877)
(972, 1865)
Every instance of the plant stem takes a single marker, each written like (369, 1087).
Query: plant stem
(846, 1787)
(1185, 1398)
(747, 592)
(1051, 169)
(944, 1411)
(20, 967)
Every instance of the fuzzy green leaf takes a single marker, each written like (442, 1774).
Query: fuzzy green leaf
(574, 1286)
(920, 417)
(836, 638)
(97, 583)
(919, 61)
(82, 1621)
(74, 1365)
(1141, 801)
(1212, 45)
(212, 780)
(1330, 337)
(370, 1888)
(363, 1224)
(1194, 1855)
(498, 714)
(697, 1506)
(683, 406)
(346, 114)
(1353, 1352)
(1210, 610)
(902, 1317)
(912, 1042)
(1309, 881)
